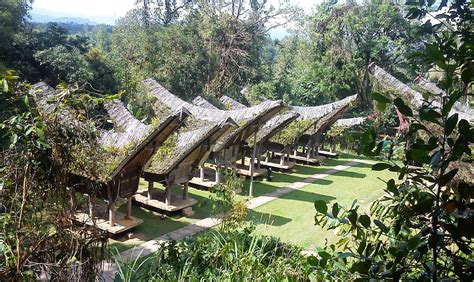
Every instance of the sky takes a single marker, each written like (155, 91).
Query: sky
(107, 11)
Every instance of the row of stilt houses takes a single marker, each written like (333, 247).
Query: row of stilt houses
(189, 143)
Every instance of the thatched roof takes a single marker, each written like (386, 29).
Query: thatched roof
(185, 146)
(324, 115)
(201, 102)
(432, 88)
(246, 118)
(231, 104)
(350, 122)
(118, 147)
(274, 126)
(411, 96)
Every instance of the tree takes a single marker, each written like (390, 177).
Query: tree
(12, 19)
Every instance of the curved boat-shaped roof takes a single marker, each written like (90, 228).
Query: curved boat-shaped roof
(186, 143)
(311, 119)
(411, 96)
(124, 151)
(247, 118)
(269, 129)
(430, 87)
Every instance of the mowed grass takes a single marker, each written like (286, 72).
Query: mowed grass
(291, 217)
(156, 225)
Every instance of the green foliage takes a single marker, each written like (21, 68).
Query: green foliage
(67, 64)
(220, 256)
(224, 201)
(422, 227)
(37, 234)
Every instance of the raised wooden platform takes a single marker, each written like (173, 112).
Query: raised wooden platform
(157, 203)
(301, 158)
(207, 183)
(121, 225)
(245, 170)
(275, 163)
(328, 154)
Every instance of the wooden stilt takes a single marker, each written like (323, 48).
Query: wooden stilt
(168, 195)
(252, 161)
(91, 206)
(129, 208)
(73, 199)
(282, 159)
(267, 157)
(218, 175)
(185, 190)
(201, 173)
(112, 213)
(150, 190)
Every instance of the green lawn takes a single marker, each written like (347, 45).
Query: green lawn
(296, 207)
(291, 217)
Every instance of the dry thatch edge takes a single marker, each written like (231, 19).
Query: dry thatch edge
(244, 117)
(350, 122)
(201, 102)
(413, 97)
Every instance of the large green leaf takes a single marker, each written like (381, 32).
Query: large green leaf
(380, 166)
(402, 107)
(321, 206)
(451, 124)
(380, 97)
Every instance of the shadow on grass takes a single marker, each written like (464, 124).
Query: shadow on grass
(350, 174)
(267, 218)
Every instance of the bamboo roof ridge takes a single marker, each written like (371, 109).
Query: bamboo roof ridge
(350, 122)
(230, 103)
(245, 118)
(432, 88)
(411, 96)
(201, 102)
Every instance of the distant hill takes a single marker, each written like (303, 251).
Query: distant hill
(40, 18)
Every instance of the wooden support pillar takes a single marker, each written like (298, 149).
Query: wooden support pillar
(112, 213)
(252, 161)
(282, 159)
(273, 154)
(258, 158)
(73, 199)
(129, 208)
(185, 190)
(168, 195)
(267, 157)
(296, 152)
(150, 190)
(201, 173)
(243, 159)
(218, 175)
(91, 206)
